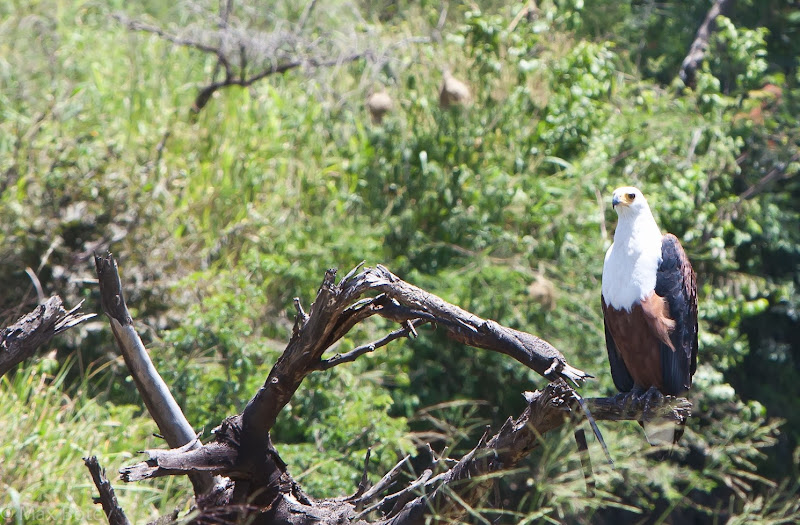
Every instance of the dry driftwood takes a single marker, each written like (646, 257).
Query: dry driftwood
(20, 340)
(263, 489)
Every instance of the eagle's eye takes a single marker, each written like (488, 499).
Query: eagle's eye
(631, 196)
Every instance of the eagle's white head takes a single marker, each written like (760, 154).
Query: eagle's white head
(629, 202)
(629, 272)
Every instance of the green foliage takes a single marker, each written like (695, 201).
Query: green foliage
(738, 57)
(335, 418)
(220, 220)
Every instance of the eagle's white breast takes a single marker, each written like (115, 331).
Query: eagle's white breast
(631, 263)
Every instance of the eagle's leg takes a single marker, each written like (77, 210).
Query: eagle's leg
(653, 399)
(632, 397)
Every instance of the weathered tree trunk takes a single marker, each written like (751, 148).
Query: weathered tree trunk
(154, 391)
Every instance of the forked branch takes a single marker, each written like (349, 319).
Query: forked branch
(247, 55)
(263, 488)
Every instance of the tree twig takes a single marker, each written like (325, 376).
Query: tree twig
(135, 25)
(355, 353)
(114, 513)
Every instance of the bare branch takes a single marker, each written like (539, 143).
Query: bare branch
(528, 11)
(385, 482)
(547, 409)
(462, 326)
(265, 53)
(20, 340)
(186, 459)
(697, 51)
(208, 91)
(154, 391)
(363, 484)
(225, 7)
(776, 173)
(400, 498)
(301, 24)
(135, 25)
(352, 355)
(114, 513)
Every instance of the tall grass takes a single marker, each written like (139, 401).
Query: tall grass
(49, 426)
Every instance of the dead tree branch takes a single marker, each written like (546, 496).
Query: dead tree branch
(353, 354)
(156, 395)
(263, 488)
(697, 51)
(462, 326)
(20, 340)
(248, 55)
(776, 173)
(114, 513)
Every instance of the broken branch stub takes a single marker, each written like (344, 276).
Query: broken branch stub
(155, 393)
(107, 498)
(35, 329)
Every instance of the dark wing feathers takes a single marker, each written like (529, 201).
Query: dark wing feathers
(675, 282)
(622, 378)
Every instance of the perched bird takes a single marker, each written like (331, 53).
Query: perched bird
(649, 298)
(453, 92)
(379, 104)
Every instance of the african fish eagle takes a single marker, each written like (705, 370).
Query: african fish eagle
(649, 298)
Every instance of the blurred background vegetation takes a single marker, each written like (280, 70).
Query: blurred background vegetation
(219, 218)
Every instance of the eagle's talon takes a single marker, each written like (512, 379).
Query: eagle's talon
(631, 398)
(653, 399)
